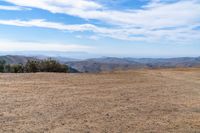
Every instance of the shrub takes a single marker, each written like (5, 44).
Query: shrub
(18, 68)
(7, 68)
(2, 65)
(50, 65)
(33, 66)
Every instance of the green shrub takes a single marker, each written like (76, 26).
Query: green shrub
(18, 68)
(33, 66)
(2, 65)
(50, 65)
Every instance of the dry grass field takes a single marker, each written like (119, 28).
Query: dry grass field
(155, 101)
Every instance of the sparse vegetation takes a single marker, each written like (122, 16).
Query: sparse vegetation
(2, 65)
(33, 66)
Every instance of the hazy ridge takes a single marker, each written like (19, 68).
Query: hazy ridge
(112, 63)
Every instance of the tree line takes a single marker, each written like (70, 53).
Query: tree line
(32, 66)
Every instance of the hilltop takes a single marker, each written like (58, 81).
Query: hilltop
(161, 100)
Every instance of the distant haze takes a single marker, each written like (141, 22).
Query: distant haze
(85, 55)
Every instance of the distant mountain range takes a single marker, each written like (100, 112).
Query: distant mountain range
(11, 59)
(112, 63)
(71, 55)
(109, 63)
(17, 59)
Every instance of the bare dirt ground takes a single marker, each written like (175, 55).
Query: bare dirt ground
(146, 101)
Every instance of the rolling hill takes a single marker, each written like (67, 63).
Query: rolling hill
(111, 63)
(12, 59)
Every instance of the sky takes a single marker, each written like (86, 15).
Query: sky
(122, 28)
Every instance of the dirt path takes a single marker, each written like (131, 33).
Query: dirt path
(131, 101)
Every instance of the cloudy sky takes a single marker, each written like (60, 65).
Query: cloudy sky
(137, 28)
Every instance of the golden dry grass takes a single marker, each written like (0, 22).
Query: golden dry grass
(130, 101)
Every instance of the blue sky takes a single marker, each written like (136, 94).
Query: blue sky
(134, 28)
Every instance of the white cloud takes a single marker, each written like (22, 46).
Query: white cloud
(58, 26)
(107, 32)
(13, 8)
(45, 24)
(123, 33)
(38, 46)
(157, 20)
(93, 37)
(58, 6)
(164, 14)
